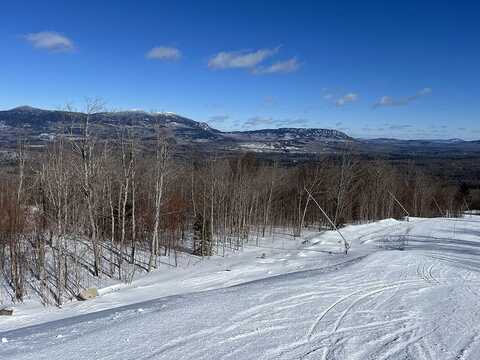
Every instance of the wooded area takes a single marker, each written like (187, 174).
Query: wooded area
(111, 208)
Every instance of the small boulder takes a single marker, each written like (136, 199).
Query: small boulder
(6, 312)
(87, 294)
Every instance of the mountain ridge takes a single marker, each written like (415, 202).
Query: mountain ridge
(41, 126)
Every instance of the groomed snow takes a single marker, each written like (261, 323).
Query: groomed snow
(407, 290)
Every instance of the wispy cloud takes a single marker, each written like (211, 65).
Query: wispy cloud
(50, 40)
(254, 61)
(348, 98)
(386, 101)
(339, 101)
(282, 67)
(243, 59)
(424, 91)
(164, 53)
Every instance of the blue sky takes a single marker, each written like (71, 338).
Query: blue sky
(404, 69)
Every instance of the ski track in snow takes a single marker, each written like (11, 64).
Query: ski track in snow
(417, 303)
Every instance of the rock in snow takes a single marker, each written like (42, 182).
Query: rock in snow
(88, 294)
(6, 312)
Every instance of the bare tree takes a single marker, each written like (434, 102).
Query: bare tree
(160, 168)
(90, 167)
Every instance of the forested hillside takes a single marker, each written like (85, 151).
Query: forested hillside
(88, 207)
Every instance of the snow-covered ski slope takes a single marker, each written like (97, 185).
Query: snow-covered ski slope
(407, 290)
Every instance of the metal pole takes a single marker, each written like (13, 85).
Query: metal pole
(346, 244)
(468, 208)
(438, 207)
(398, 202)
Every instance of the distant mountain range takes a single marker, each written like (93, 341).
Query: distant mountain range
(42, 126)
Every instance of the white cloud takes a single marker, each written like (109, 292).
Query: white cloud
(283, 67)
(385, 101)
(253, 60)
(164, 53)
(425, 91)
(240, 59)
(51, 41)
(389, 101)
(348, 98)
(337, 100)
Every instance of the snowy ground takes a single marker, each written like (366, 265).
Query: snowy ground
(378, 302)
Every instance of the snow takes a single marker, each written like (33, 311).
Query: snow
(258, 146)
(303, 299)
(268, 147)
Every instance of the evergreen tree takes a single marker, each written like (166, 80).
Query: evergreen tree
(202, 236)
